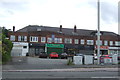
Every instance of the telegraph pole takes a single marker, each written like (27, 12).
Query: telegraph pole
(98, 33)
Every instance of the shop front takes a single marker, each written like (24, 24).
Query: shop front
(103, 50)
(36, 48)
(114, 50)
(82, 49)
(58, 48)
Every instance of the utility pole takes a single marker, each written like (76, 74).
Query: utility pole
(98, 33)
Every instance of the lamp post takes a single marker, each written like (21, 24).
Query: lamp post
(98, 33)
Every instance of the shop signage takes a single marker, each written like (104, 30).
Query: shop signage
(114, 47)
(55, 45)
(102, 47)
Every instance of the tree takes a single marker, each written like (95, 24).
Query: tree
(6, 46)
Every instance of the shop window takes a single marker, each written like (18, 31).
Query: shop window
(105, 43)
(22, 38)
(90, 42)
(43, 39)
(111, 43)
(49, 40)
(12, 37)
(33, 39)
(82, 41)
(76, 41)
(68, 40)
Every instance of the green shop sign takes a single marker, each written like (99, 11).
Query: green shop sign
(55, 45)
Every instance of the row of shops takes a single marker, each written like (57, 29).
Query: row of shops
(71, 49)
(37, 48)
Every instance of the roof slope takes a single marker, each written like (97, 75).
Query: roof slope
(67, 31)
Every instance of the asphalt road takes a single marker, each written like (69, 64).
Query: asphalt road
(52, 75)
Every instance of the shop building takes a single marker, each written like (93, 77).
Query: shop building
(70, 40)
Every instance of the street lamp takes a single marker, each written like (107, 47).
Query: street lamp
(98, 33)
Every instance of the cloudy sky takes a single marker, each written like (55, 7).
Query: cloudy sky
(82, 13)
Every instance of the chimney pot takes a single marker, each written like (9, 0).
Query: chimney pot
(13, 28)
(75, 28)
(60, 28)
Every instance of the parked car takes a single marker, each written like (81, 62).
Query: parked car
(43, 55)
(53, 55)
(105, 57)
(63, 56)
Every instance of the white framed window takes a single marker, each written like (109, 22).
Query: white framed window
(76, 41)
(105, 42)
(90, 42)
(117, 43)
(22, 38)
(111, 43)
(100, 42)
(82, 41)
(12, 37)
(58, 40)
(43, 39)
(49, 40)
(33, 39)
(68, 40)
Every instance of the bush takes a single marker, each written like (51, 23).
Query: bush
(69, 62)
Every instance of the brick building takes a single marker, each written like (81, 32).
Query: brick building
(57, 39)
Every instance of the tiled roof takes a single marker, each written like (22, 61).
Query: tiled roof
(66, 31)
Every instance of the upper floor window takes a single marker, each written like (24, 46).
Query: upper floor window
(49, 40)
(111, 43)
(58, 40)
(76, 41)
(97, 42)
(68, 40)
(82, 41)
(12, 37)
(105, 42)
(22, 38)
(43, 39)
(117, 43)
(90, 42)
(33, 39)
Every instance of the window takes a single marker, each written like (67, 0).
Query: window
(105, 43)
(117, 43)
(90, 42)
(33, 39)
(76, 41)
(68, 40)
(82, 41)
(100, 42)
(58, 40)
(49, 40)
(111, 43)
(12, 37)
(22, 38)
(24, 46)
(43, 39)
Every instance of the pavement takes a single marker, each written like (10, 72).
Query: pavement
(29, 64)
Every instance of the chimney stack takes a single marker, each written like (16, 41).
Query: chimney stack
(75, 28)
(60, 28)
(13, 28)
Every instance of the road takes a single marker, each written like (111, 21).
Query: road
(63, 74)
(45, 69)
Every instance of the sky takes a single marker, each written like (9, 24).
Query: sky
(82, 13)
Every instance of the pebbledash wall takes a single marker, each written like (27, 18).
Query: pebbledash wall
(57, 39)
